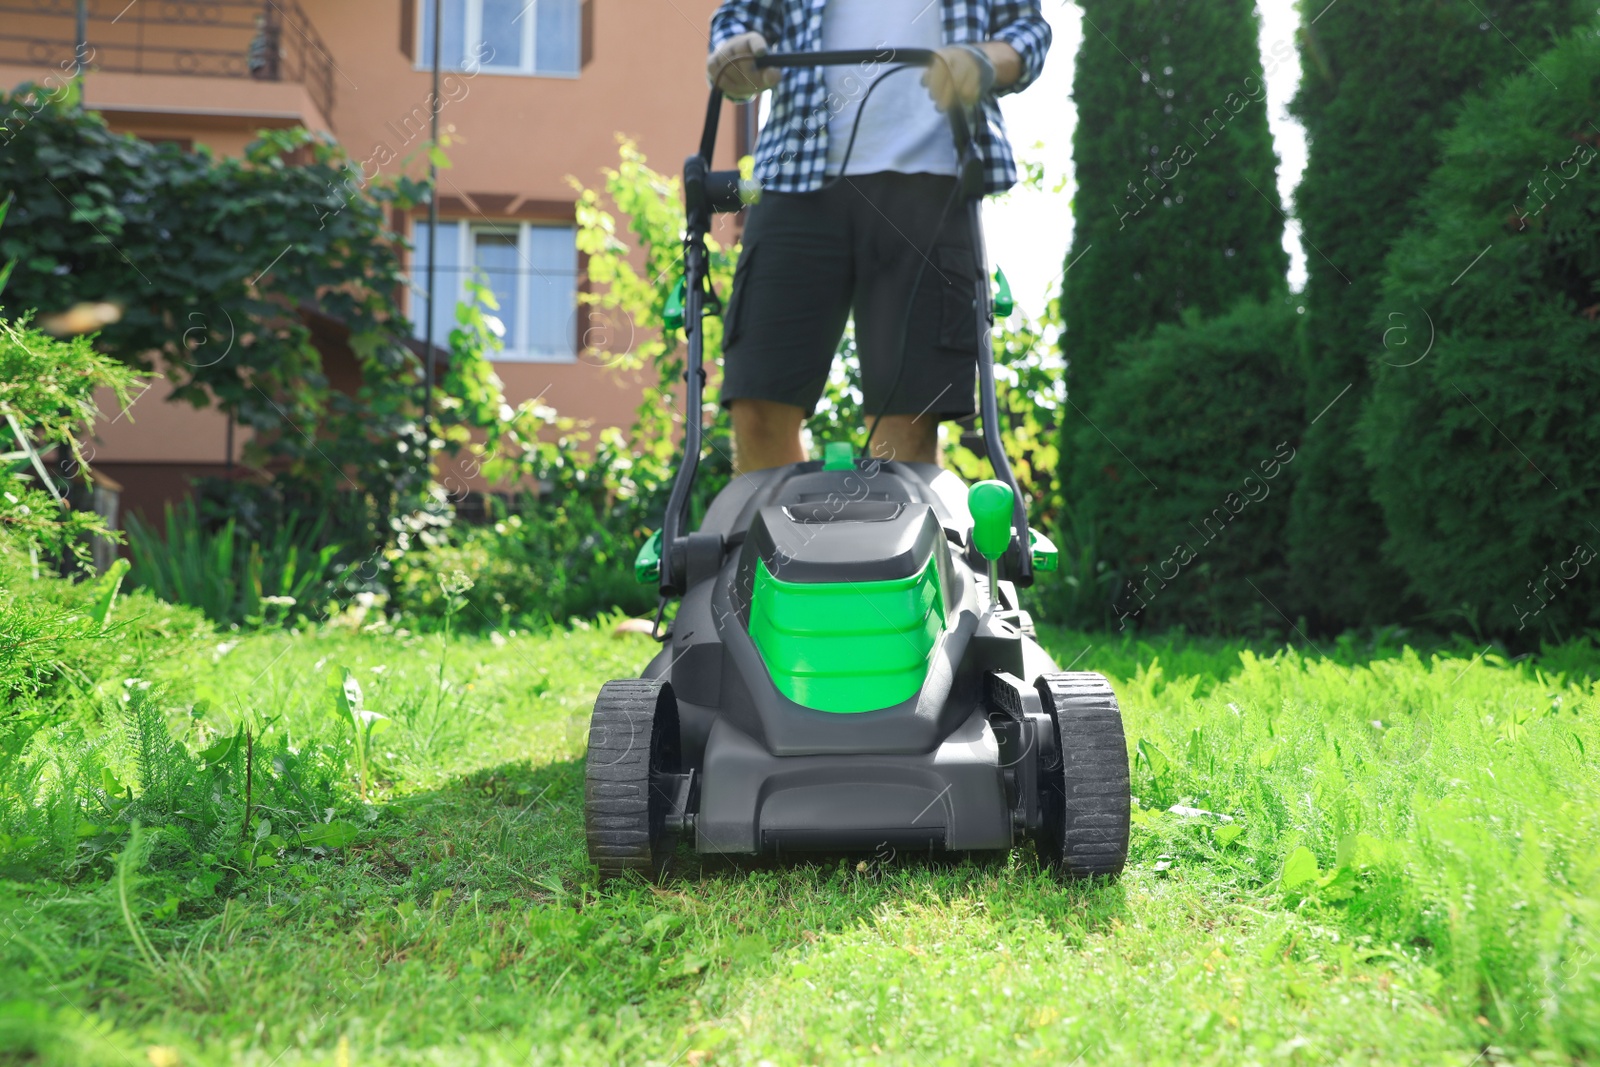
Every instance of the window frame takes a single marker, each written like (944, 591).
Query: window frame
(472, 29)
(516, 349)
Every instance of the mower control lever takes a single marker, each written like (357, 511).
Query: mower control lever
(992, 504)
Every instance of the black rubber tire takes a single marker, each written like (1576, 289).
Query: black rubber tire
(632, 732)
(1085, 795)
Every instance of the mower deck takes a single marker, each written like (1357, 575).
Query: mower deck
(965, 761)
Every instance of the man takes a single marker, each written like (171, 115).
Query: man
(871, 226)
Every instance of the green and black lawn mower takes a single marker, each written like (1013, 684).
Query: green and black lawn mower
(849, 668)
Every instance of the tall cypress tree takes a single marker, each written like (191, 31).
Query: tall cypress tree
(1176, 212)
(1380, 83)
(1177, 203)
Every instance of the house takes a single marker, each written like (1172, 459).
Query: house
(532, 92)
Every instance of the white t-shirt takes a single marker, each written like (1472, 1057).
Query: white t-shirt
(901, 130)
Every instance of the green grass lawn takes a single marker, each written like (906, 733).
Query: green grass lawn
(1410, 874)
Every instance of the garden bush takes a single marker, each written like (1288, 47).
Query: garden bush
(1191, 439)
(198, 304)
(47, 385)
(231, 576)
(202, 308)
(1381, 82)
(1485, 450)
(56, 634)
(540, 562)
(59, 637)
(1031, 394)
(652, 204)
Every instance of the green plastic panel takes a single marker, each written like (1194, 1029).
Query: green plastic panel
(847, 646)
(1045, 556)
(647, 564)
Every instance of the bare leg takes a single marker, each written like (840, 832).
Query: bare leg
(908, 438)
(766, 434)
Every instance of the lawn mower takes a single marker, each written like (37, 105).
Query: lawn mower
(849, 668)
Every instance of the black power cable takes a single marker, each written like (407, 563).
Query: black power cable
(922, 268)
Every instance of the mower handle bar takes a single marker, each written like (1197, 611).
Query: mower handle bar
(842, 57)
(960, 126)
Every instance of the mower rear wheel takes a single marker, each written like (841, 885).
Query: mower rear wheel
(1084, 787)
(633, 741)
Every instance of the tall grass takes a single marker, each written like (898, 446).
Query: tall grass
(229, 577)
(1449, 803)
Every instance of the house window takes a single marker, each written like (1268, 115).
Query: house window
(504, 36)
(531, 268)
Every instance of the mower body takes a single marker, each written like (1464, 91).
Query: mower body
(829, 660)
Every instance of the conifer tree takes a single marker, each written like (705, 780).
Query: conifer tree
(1381, 81)
(1177, 203)
(1176, 219)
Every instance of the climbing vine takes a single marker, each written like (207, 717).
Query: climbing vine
(224, 274)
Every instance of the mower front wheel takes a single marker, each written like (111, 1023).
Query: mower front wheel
(1084, 785)
(633, 745)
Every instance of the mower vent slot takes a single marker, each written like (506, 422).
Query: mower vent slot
(844, 511)
(822, 498)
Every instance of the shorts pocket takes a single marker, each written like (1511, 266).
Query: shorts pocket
(958, 318)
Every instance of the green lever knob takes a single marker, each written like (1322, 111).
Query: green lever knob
(672, 314)
(647, 564)
(991, 504)
(1003, 303)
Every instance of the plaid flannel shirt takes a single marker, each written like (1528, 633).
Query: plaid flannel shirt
(792, 152)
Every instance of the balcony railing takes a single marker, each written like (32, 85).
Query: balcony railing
(265, 40)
